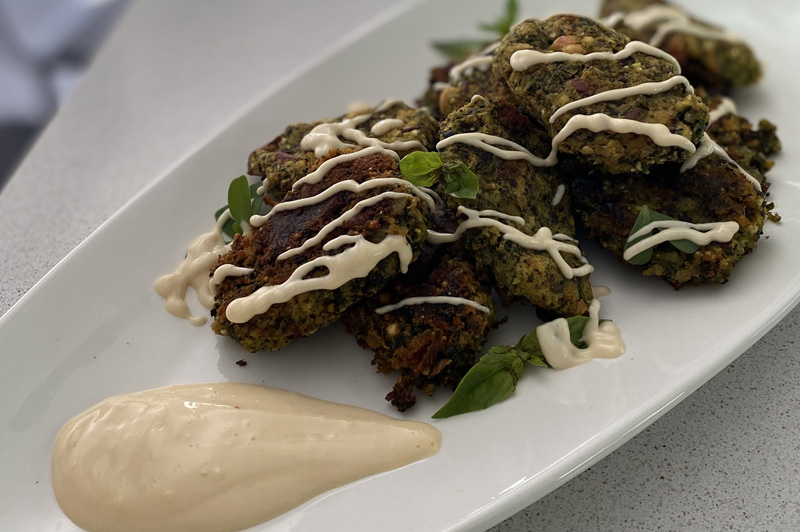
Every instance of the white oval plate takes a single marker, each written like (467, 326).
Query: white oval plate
(94, 327)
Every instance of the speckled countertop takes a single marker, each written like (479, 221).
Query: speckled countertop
(726, 458)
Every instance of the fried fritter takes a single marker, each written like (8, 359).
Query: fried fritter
(283, 161)
(383, 234)
(429, 343)
(620, 132)
(749, 146)
(516, 188)
(709, 56)
(607, 207)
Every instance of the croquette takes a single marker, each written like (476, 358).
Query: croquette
(751, 147)
(516, 187)
(715, 190)
(428, 343)
(709, 56)
(622, 133)
(401, 217)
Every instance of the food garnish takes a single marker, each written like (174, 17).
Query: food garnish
(423, 169)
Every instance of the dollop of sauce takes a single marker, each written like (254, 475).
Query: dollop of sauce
(603, 340)
(219, 457)
(193, 271)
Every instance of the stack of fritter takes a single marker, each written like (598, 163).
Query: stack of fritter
(566, 123)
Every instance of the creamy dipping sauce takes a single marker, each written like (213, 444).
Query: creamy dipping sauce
(219, 457)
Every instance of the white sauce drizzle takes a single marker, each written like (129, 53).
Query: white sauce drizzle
(524, 59)
(658, 133)
(600, 290)
(482, 61)
(225, 271)
(468, 67)
(325, 137)
(489, 143)
(194, 271)
(346, 185)
(542, 241)
(560, 191)
(602, 340)
(382, 127)
(673, 20)
(317, 175)
(388, 104)
(355, 262)
(648, 88)
(347, 215)
(700, 234)
(708, 147)
(725, 107)
(219, 457)
(438, 300)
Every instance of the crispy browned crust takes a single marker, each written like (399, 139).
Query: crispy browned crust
(309, 311)
(517, 188)
(607, 207)
(428, 344)
(545, 88)
(749, 146)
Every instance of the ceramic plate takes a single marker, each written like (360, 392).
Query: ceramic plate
(94, 326)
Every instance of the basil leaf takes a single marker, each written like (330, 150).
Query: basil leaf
(646, 216)
(642, 220)
(239, 202)
(459, 181)
(502, 25)
(421, 168)
(687, 246)
(227, 228)
(458, 51)
(257, 199)
(493, 379)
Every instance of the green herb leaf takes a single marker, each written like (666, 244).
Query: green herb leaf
(687, 246)
(502, 25)
(458, 51)
(252, 204)
(239, 202)
(257, 199)
(646, 216)
(490, 381)
(494, 378)
(227, 227)
(459, 181)
(421, 168)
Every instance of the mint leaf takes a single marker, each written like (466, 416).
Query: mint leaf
(646, 216)
(421, 168)
(459, 181)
